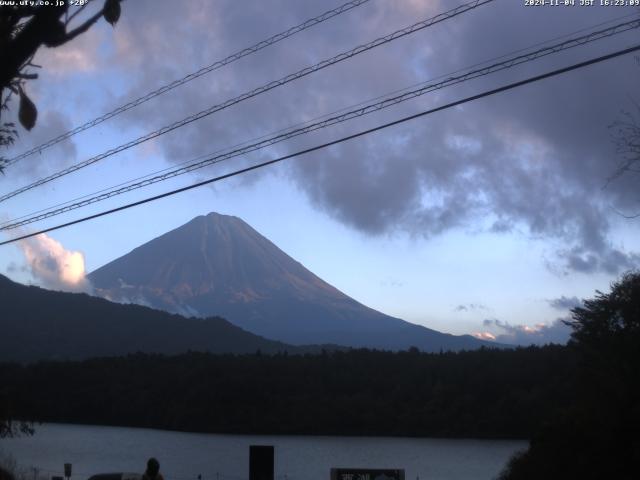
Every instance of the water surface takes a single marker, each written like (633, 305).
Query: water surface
(184, 456)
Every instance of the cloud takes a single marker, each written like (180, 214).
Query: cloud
(53, 266)
(75, 57)
(609, 260)
(50, 123)
(539, 334)
(485, 336)
(13, 267)
(524, 165)
(529, 162)
(470, 307)
(565, 303)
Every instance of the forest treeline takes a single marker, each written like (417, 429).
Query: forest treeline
(578, 404)
(485, 393)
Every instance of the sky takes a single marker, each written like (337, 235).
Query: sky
(494, 218)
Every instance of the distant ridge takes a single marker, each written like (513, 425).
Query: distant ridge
(38, 324)
(219, 265)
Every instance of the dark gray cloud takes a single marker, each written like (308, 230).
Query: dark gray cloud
(470, 307)
(541, 334)
(565, 303)
(13, 267)
(50, 123)
(532, 161)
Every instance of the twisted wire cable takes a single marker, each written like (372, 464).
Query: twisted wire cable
(192, 76)
(338, 141)
(349, 115)
(257, 91)
(343, 109)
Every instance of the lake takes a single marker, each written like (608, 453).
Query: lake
(184, 456)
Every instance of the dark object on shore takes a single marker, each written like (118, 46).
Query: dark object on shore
(153, 470)
(261, 462)
(376, 473)
(116, 476)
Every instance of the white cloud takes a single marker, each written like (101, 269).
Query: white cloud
(538, 334)
(485, 336)
(53, 266)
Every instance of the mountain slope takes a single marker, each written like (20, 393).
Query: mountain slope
(219, 265)
(38, 324)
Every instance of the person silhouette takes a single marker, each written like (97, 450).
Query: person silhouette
(153, 470)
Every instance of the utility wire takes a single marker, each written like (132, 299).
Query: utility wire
(264, 88)
(192, 76)
(338, 141)
(359, 112)
(326, 115)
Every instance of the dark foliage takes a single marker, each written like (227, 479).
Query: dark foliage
(598, 436)
(23, 30)
(5, 474)
(484, 393)
(8, 426)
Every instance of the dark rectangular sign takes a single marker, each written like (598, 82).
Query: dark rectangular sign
(366, 474)
(261, 462)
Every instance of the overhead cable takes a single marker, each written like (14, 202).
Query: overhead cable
(358, 112)
(264, 88)
(335, 142)
(192, 76)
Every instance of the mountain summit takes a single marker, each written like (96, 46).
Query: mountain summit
(219, 265)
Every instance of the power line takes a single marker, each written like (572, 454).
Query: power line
(335, 142)
(192, 76)
(349, 115)
(326, 115)
(264, 88)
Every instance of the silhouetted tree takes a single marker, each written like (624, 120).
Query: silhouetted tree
(611, 321)
(5, 474)
(483, 393)
(23, 30)
(599, 435)
(9, 427)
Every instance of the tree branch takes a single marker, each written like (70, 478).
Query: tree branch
(25, 44)
(84, 27)
(76, 13)
(27, 76)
